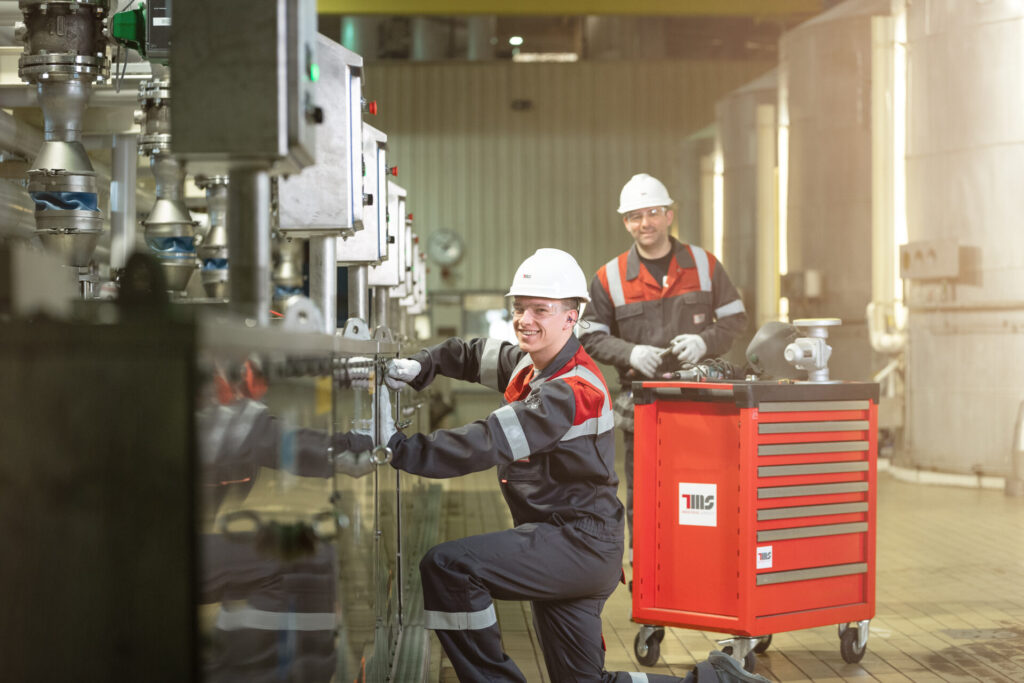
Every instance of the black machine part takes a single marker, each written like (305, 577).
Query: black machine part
(765, 351)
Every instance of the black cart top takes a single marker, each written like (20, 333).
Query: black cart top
(748, 394)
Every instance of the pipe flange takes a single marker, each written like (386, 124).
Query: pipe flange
(52, 59)
(54, 66)
(71, 221)
(204, 182)
(158, 143)
(71, 230)
(154, 92)
(61, 183)
(59, 173)
(208, 253)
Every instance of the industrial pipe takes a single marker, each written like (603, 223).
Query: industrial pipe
(380, 307)
(358, 290)
(1015, 480)
(323, 279)
(249, 242)
(125, 163)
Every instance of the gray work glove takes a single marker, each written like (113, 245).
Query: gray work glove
(689, 348)
(353, 453)
(645, 359)
(385, 421)
(401, 371)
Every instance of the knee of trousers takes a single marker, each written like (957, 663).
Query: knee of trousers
(444, 568)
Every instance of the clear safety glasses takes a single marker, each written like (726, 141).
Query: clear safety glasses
(637, 217)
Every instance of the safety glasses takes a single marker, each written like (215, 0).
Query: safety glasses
(637, 217)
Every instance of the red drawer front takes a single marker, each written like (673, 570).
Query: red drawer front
(798, 596)
(801, 553)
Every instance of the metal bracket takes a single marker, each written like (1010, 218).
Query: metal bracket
(356, 329)
(302, 315)
(740, 646)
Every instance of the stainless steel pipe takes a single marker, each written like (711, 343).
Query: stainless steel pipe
(249, 243)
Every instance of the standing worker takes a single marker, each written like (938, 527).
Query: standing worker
(660, 301)
(552, 441)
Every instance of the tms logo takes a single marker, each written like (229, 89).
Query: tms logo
(697, 502)
(764, 557)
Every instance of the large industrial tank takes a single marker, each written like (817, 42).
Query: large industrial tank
(825, 114)
(746, 127)
(964, 270)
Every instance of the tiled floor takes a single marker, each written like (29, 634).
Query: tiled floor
(949, 603)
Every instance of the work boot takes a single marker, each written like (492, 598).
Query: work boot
(726, 670)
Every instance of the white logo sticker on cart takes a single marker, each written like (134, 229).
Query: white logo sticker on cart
(764, 557)
(698, 504)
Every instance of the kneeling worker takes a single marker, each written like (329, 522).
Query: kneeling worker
(552, 442)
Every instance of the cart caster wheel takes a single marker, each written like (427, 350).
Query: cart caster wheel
(647, 652)
(848, 646)
(762, 644)
(749, 662)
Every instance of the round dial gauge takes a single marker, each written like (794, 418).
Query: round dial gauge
(445, 247)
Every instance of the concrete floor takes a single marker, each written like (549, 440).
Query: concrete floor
(949, 602)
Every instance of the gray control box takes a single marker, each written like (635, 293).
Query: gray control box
(327, 198)
(369, 245)
(391, 272)
(244, 74)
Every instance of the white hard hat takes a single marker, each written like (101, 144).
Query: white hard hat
(552, 274)
(641, 191)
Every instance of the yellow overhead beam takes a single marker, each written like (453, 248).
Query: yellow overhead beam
(750, 8)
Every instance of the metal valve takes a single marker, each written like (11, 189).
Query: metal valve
(811, 353)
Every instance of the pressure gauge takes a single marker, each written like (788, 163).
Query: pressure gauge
(445, 247)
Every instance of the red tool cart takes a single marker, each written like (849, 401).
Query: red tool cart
(754, 511)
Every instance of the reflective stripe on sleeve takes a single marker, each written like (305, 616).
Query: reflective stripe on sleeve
(700, 260)
(489, 364)
(513, 431)
(592, 327)
(460, 621)
(731, 308)
(637, 677)
(247, 617)
(611, 269)
(594, 426)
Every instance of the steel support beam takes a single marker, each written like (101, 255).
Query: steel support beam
(706, 8)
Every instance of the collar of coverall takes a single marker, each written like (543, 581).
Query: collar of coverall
(572, 345)
(683, 257)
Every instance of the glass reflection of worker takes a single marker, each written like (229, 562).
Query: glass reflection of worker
(553, 445)
(660, 302)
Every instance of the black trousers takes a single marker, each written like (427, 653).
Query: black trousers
(627, 438)
(566, 571)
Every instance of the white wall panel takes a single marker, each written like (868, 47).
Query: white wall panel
(513, 181)
(965, 158)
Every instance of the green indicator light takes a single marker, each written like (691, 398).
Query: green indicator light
(314, 72)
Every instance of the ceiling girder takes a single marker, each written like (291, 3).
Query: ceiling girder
(707, 8)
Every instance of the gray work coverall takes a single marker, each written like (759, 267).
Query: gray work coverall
(552, 443)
